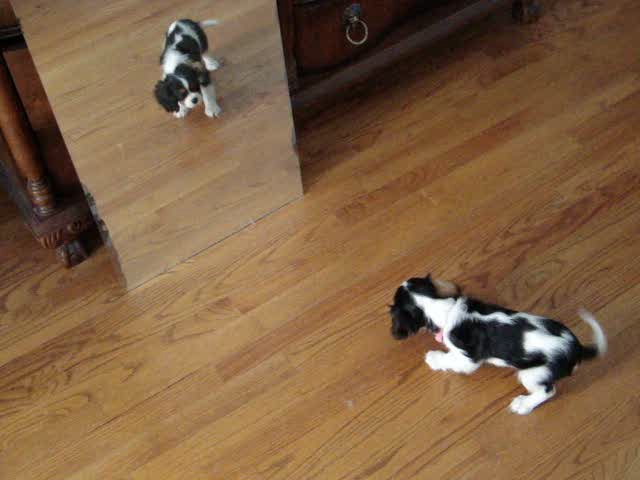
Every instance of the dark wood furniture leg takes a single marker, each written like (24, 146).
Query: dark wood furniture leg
(71, 253)
(285, 12)
(19, 137)
(56, 223)
(526, 11)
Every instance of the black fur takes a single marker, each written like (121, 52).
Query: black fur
(203, 78)
(187, 45)
(169, 39)
(190, 48)
(169, 92)
(589, 352)
(190, 74)
(505, 341)
(407, 317)
(202, 37)
(423, 286)
(485, 308)
(483, 340)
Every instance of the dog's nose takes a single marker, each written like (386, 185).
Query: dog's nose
(194, 100)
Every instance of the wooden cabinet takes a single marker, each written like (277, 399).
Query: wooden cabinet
(329, 33)
(332, 44)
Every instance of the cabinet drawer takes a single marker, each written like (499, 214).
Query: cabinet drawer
(322, 28)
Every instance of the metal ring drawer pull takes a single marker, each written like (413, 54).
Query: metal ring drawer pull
(366, 32)
(352, 17)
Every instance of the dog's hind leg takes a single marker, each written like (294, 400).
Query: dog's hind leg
(539, 382)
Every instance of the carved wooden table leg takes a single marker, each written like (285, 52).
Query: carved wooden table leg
(56, 223)
(526, 11)
(61, 232)
(19, 138)
(71, 253)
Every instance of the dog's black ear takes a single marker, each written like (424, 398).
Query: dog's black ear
(406, 321)
(165, 96)
(472, 338)
(190, 74)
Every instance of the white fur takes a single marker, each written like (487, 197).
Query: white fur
(532, 379)
(446, 313)
(209, 23)
(172, 59)
(540, 341)
(497, 316)
(599, 337)
(190, 32)
(210, 62)
(193, 99)
(498, 362)
(437, 309)
(542, 351)
(211, 107)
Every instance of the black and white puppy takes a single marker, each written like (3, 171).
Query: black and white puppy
(185, 66)
(542, 350)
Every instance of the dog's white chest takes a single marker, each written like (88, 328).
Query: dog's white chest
(171, 61)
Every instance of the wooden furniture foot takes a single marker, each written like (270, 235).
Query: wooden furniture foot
(526, 11)
(361, 38)
(72, 253)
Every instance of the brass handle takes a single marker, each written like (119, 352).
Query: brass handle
(352, 18)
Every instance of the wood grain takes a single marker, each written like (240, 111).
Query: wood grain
(167, 189)
(509, 164)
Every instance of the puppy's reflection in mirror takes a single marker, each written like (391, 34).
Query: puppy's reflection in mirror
(186, 64)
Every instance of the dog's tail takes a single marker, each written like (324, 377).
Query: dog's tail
(209, 23)
(599, 346)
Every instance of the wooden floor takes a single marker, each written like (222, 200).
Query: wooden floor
(507, 159)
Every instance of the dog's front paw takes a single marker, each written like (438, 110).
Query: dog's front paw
(435, 360)
(180, 114)
(215, 111)
(520, 405)
(211, 64)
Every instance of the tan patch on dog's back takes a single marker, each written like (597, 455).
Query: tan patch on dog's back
(445, 289)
